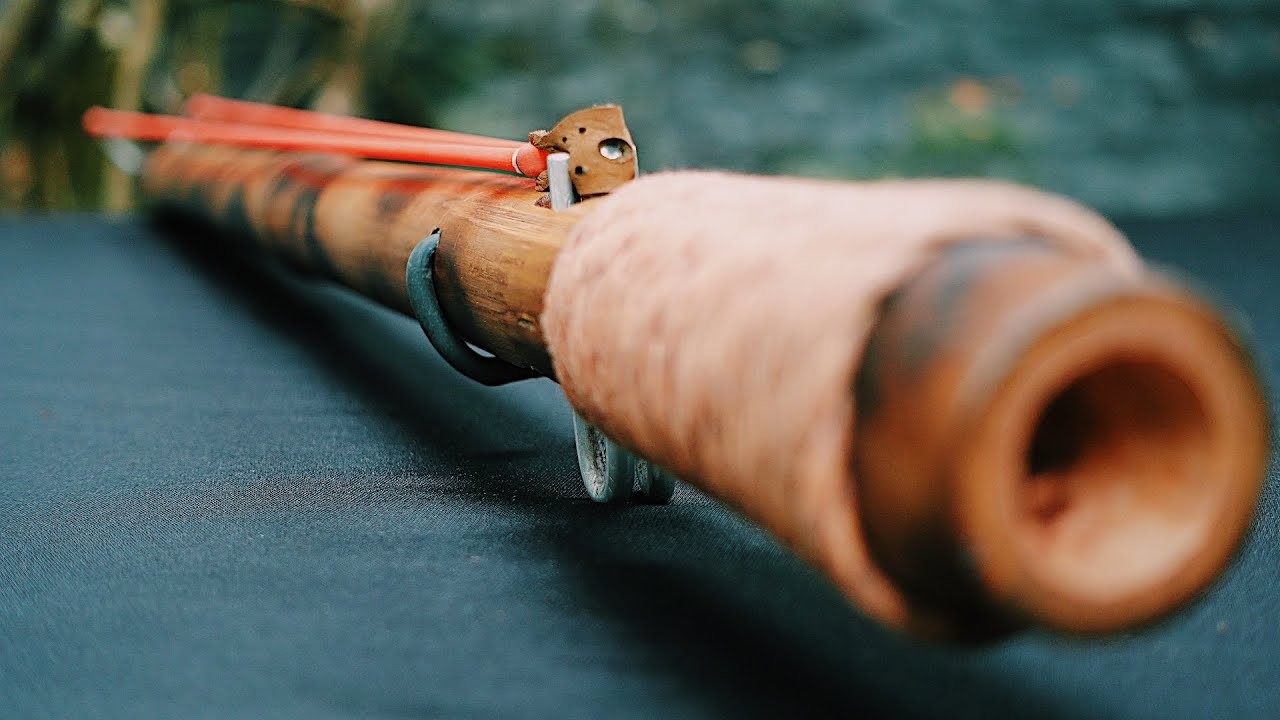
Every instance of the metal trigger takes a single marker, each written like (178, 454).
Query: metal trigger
(608, 470)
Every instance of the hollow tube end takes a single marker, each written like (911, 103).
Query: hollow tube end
(1063, 446)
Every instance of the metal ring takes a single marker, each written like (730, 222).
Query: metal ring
(656, 484)
(455, 351)
(608, 470)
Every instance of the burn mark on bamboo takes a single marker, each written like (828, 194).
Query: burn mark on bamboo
(298, 184)
(925, 327)
(304, 225)
(236, 212)
(964, 264)
(391, 202)
(867, 381)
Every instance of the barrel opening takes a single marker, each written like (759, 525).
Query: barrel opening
(1116, 479)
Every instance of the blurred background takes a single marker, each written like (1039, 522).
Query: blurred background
(1138, 107)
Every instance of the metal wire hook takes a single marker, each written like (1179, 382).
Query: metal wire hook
(455, 351)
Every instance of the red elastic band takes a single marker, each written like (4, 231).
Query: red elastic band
(103, 122)
(226, 110)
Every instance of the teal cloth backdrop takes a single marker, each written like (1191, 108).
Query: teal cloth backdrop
(225, 493)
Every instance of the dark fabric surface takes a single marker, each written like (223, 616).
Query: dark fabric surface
(223, 495)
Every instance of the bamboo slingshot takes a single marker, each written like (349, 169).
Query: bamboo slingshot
(967, 402)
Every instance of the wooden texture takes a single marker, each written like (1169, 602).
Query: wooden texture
(356, 222)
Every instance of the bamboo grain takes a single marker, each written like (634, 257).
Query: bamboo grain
(357, 222)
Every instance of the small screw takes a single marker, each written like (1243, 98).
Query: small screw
(614, 148)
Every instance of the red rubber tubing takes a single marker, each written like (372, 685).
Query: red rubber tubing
(226, 110)
(523, 159)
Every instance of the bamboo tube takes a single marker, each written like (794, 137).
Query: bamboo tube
(1046, 432)
(356, 223)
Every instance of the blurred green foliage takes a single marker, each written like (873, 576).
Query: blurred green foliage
(1138, 106)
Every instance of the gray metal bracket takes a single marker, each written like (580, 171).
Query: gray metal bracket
(608, 470)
